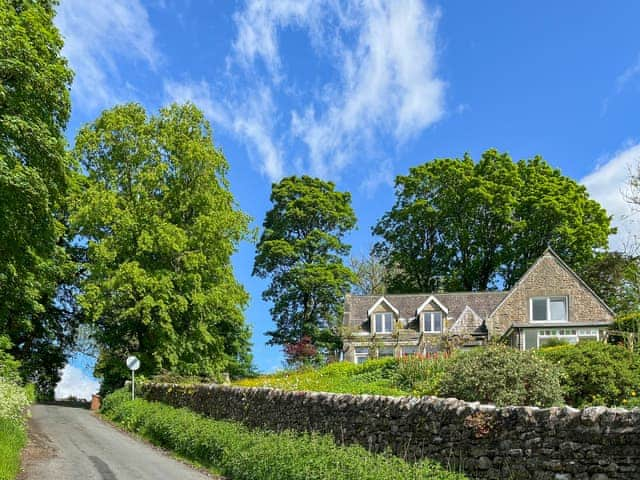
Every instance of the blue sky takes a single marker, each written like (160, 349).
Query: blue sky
(358, 92)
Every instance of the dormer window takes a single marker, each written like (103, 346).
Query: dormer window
(432, 322)
(383, 322)
(549, 309)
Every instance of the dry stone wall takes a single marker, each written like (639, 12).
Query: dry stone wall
(486, 442)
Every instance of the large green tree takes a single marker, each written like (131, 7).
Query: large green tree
(301, 250)
(464, 225)
(160, 226)
(35, 264)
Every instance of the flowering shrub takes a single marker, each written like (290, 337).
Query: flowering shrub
(597, 373)
(13, 401)
(501, 375)
(422, 374)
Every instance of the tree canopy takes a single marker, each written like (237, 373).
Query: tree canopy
(301, 250)
(480, 225)
(34, 181)
(160, 225)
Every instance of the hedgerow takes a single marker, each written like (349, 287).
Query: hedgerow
(243, 454)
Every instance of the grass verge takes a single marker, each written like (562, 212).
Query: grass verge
(243, 454)
(13, 438)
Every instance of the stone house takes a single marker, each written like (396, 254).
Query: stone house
(550, 301)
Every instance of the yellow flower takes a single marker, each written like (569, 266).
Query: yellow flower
(633, 393)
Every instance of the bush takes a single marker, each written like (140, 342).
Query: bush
(597, 373)
(244, 454)
(422, 375)
(501, 375)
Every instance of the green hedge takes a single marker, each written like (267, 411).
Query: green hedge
(596, 373)
(243, 454)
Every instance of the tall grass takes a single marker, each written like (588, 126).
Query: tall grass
(12, 440)
(243, 454)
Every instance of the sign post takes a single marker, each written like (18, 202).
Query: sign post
(133, 364)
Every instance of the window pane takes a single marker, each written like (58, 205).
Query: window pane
(409, 350)
(362, 350)
(427, 322)
(558, 310)
(361, 359)
(385, 352)
(379, 322)
(388, 320)
(437, 321)
(539, 309)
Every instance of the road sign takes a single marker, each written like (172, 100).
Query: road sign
(133, 363)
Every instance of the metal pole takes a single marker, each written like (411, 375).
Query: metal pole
(133, 384)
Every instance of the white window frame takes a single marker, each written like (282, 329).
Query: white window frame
(374, 321)
(565, 334)
(358, 355)
(424, 321)
(548, 299)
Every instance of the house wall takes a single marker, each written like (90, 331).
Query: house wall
(515, 442)
(548, 278)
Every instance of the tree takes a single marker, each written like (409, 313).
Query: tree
(35, 264)
(480, 225)
(160, 225)
(615, 277)
(301, 250)
(369, 276)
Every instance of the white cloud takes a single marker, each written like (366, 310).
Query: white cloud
(98, 34)
(251, 119)
(75, 383)
(386, 57)
(628, 75)
(608, 185)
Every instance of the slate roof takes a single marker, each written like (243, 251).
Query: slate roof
(483, 303)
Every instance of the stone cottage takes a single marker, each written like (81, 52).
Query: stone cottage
(550, 301)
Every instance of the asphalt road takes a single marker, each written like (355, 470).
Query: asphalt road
(72, 444)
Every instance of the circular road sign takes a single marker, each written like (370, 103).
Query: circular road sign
(133, 363)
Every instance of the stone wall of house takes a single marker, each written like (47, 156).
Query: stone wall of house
(548, 277)
(486, 442)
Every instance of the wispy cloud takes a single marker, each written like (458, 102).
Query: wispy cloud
(75, 383)
(251, 119)
(608, 184)
(628, 75)
(386, 57)
(98, 35)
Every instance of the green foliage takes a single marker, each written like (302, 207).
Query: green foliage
(13, 438)
(244, 454)
(34, 179)
(161, 225)
(422, 375)
(474, 223)
(14, 401)
(376, 377)
(301, 250)
(615, 277)
(9, 366)
(596, 373)
(501, 375)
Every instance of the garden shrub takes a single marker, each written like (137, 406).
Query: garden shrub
(421, 375)
(597, 373)
(243, 454)
(501, 375)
